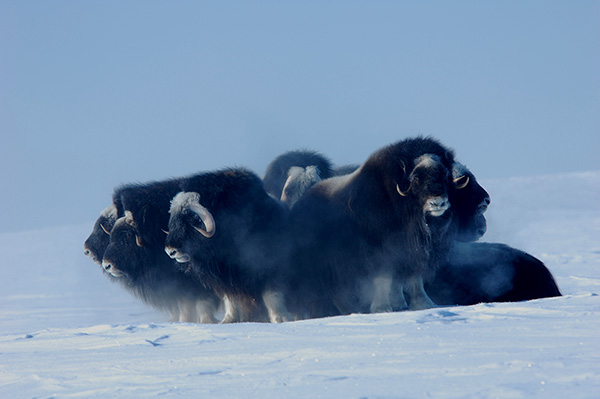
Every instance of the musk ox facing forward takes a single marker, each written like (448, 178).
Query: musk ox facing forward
(232, 234)
(487, 272)
(366, 239)
(135, 255)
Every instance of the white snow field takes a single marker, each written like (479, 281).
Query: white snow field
(68, 332)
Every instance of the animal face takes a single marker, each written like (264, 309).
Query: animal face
(96, 243)
(125, 248)
(470, 201)
(428, 184)
(189, 221)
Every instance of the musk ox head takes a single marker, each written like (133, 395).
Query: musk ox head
(470, 201)
(299, 180)
(96, 243)
(123, 254)
(427, 183)
(189, 221)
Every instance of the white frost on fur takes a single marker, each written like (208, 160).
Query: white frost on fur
(184, 200)
(110, 212)
(436, 206)
(426, 161)
(458, 170)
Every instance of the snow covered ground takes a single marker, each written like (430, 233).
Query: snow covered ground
(66, 331)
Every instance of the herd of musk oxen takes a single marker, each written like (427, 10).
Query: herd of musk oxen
(308, 240)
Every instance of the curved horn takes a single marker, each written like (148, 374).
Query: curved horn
(404, 194)
(138, 241)
(104, 229)
(164, 231)
(461, 182)
(208, 221)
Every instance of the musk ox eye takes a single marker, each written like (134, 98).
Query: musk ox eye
(461, 182)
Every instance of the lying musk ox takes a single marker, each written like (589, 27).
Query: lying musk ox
(232, 233)
(485, 272)
(470, 203)
(135, 255)
(364, 240)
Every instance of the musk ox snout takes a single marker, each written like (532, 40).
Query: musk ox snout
(484, 205)
(436, 206)
(177, 255)
(109, 267)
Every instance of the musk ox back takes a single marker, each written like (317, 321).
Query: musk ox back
(487, 272)
(364, 240)
(232, 233)
(136, 255)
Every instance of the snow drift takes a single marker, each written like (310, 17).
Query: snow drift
(66, 331)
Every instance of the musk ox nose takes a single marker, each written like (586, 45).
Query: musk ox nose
(436, 206)
(484, 205)
(172, 252)
(107, 265)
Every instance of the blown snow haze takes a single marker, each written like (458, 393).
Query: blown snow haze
(67, 331)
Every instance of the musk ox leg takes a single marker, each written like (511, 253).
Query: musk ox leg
(187, 311)
(231, 311)
(205, 311)
(382, 287)
(418, 297)
(397, 298)
(275, 304)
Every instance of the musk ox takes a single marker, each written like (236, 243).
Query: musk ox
(292, 173)
(96, 243)
(135, 255)
(362, 241)
(470, 203)
(486, 272)
(278, 171)
(233, 234)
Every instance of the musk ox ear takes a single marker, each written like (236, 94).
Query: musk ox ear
(208, 227)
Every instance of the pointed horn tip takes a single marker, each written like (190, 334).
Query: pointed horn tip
(403, 194)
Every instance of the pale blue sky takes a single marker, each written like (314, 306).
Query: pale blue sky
(95, 94)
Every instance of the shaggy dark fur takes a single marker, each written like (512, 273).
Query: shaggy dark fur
(484, 272)
(352, 230)
(244, 259)
(136, 256)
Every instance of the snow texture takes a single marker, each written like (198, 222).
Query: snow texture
(68, 332)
